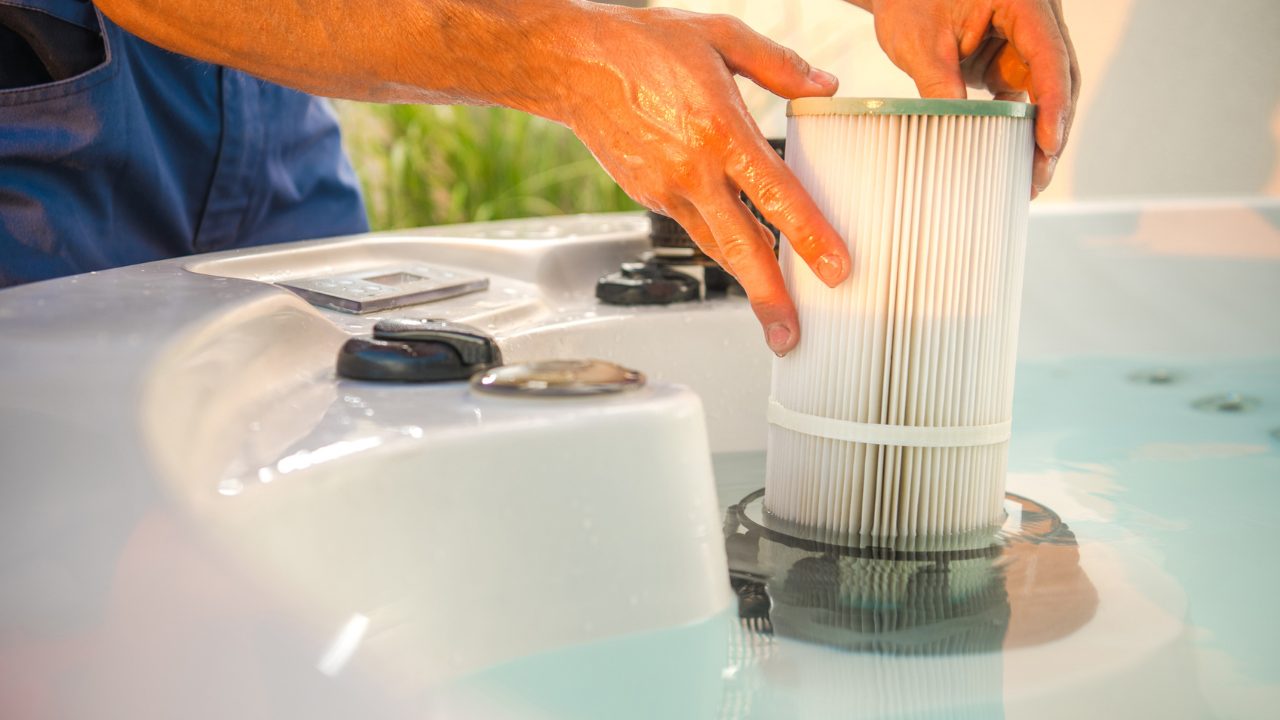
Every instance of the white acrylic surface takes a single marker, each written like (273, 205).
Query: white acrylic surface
(196, 520)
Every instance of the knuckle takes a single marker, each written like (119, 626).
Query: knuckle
(735, 26)
(669, 205)
(767, 298)
(767, 306)
(702, 130)
(685, 173)
(724, 26)
(772, 198)
(713, 129)
(737, 250)
(790, 58)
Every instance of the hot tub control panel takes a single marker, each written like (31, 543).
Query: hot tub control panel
(385, 288)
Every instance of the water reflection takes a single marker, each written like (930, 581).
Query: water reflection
(977, 593)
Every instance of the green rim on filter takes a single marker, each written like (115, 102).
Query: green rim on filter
(908, 106)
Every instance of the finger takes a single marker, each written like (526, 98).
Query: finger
(1007, 77)
(750, 258)
(1007, 73)
(1044, 166)
(1074, 70)
(781, 199)
(1041, 172)
(776, 68)
(976, 66)
(1034, 32)
(692, 223)
(936, 69)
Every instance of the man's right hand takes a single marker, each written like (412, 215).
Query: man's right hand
(652, 94)
(650, 91)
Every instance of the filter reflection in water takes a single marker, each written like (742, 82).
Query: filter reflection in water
(965, 597)
(951, 595)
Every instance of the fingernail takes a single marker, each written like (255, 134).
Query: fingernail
(831, 268)
(822, 77)
(1042, 182)
(778, 335)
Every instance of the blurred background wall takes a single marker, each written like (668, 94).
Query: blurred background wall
(1180, 98)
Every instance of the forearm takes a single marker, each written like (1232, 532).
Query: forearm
(650, 91)
(506, 52)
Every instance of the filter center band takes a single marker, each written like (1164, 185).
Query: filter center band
(878, 434)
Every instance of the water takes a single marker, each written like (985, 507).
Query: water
(1136, 576)
(921, 597)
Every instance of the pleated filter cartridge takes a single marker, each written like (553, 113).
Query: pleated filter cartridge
(891, 417)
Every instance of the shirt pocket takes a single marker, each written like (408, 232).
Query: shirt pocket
(77, 16)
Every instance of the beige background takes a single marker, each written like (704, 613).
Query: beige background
(1180, 97)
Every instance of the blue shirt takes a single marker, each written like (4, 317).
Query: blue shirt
(149, 154)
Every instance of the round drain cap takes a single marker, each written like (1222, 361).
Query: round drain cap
(558, 378)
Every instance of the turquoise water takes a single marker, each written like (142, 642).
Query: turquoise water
(1159, 600)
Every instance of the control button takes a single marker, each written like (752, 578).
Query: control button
(363, 359)
(474, 346)
(647, 283)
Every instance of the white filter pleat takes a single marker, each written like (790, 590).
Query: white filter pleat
(920, 342)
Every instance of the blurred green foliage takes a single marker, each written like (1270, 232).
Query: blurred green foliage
(434, 165)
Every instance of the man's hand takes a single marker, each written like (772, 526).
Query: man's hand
(1009, 47)
(652, 94)
(650, 91)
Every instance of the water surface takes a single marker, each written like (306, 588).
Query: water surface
(1136, 577)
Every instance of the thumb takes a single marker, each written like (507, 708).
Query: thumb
(776, 68)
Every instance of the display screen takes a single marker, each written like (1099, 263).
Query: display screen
(395, 278)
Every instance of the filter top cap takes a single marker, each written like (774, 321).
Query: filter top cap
(908, 106)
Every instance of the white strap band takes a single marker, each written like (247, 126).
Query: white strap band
(877, 434)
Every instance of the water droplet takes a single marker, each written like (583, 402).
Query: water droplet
(230, 487)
